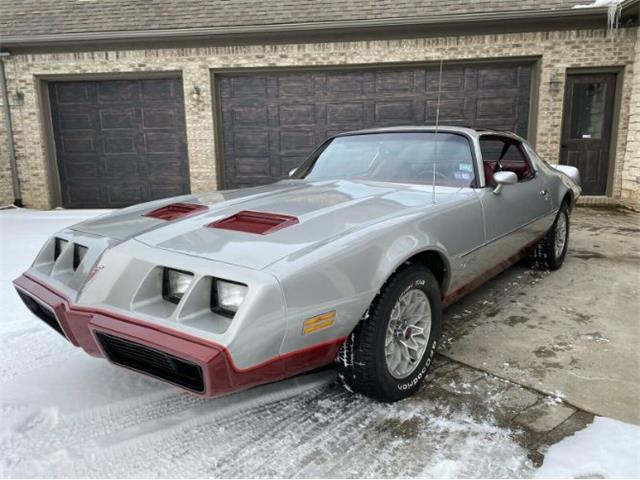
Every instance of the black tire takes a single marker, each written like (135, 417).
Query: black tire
(545, 253)
(361, 363)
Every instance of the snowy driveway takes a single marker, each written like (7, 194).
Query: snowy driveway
(65, 414)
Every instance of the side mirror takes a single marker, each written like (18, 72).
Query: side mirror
(292, 172)
(503, 178)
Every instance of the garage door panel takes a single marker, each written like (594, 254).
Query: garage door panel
(251, 142)
(71, 118)
(345, 113)
(341, 83)
(452, 80)
(243, 87)
(125, 194)
(498, 77)
(82, 170)
(118, 91)
(78, 142)
(158, 191)
(249, 115)
(160, 90)
(119, 144)
(450, 109)
(83, 195)
(296, 85)
(296, 142)
(282, 117)
(110, 142)
(73, 93)
(297, 115)
(253, 166)
(117, 118)
(162, 142)
(395, 82)
(117, 167)
(160, 117)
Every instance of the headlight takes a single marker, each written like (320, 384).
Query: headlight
(174, 284)
(226, 297)
(78, 255)
(58, 247)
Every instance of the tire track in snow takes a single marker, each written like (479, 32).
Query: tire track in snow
(26, 350)
(116, 452)
(29, 434)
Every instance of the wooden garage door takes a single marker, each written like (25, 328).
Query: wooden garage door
(272, 121)
(119, 142)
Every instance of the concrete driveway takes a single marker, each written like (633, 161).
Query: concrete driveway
(573, 333)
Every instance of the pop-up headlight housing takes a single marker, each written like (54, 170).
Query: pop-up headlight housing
(226, 297)
(58, 247)
(79, 252)
(174, 284)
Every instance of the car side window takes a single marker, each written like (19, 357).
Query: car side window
(501, 154)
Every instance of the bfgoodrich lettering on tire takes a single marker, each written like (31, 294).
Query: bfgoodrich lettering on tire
(390, 351)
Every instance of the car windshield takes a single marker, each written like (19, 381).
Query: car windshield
(396, 157)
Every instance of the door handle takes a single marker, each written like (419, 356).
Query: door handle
(544, 192)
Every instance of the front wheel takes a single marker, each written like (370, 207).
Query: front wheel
(390, 351)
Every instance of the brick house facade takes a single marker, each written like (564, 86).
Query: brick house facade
(554, 53)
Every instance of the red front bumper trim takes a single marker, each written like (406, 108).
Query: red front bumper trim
(220, 374)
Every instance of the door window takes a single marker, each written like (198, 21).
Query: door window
(503, 154)
(587, 112)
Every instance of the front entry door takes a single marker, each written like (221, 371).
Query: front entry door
(586, 132)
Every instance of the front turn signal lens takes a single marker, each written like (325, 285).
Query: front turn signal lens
(319, 322)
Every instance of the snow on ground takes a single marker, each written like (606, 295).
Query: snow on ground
(605, 449)
(65, 414)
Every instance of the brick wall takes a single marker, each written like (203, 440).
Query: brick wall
(630, 189)
(557, 51)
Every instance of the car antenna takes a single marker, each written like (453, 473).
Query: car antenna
(435, 157)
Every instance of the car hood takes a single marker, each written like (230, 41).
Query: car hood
(324, 211)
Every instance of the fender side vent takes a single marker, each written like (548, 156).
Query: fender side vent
(261, 223)
(152, 362)
(175, 210)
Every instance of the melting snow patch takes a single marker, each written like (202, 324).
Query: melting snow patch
(607, 448)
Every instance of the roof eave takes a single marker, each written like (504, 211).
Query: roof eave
(208, 32)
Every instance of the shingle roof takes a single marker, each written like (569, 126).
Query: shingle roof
(24, 18)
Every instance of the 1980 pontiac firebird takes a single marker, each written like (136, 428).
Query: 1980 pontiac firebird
(350, 260)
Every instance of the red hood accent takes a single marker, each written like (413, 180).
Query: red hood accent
(175, 210)
(262, 223)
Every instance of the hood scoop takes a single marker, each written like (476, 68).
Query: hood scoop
(261, 223)
(175, 210)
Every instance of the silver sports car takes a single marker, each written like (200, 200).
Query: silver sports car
(350, 260)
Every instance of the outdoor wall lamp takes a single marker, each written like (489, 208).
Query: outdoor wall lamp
(556, 81)
(195, 94)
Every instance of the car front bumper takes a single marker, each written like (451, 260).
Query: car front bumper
(196, 364)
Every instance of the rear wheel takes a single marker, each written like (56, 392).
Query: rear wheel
(390, 351)
(552, 250)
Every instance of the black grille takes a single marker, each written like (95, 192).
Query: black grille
(152, 361)
(43, 313)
